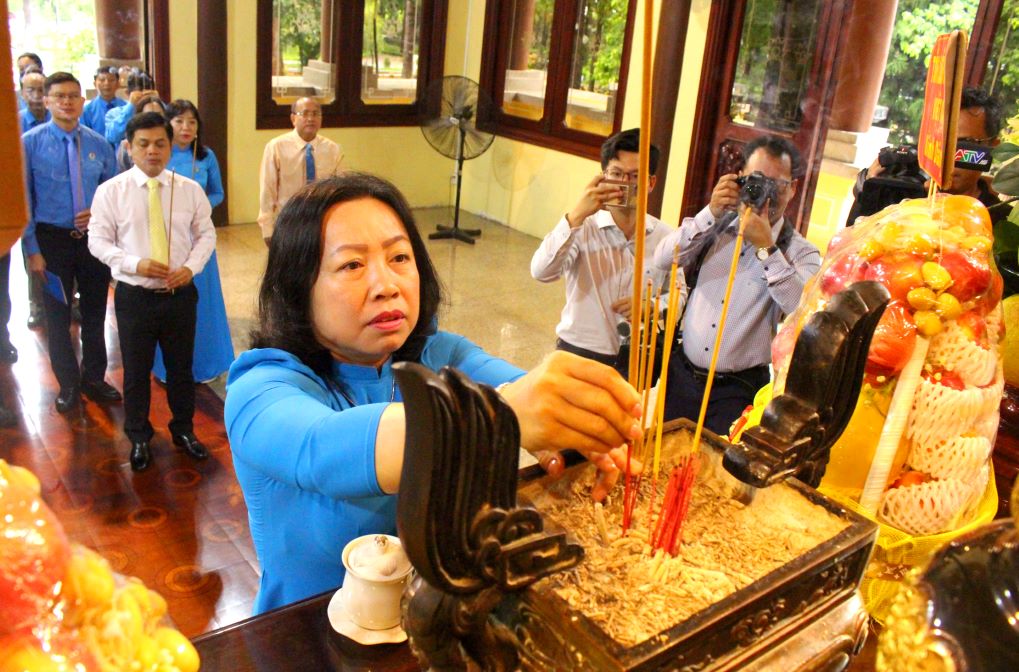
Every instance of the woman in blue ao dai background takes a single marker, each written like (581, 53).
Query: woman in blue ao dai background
(214, 351)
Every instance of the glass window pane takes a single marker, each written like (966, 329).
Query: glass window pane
(776, 53)
(596, 59)
(389, 52)
(1002, 76)
(302, 51)
(530, 36)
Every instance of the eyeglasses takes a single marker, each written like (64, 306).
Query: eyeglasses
(64, 97)
(616, 174)
(309, 114)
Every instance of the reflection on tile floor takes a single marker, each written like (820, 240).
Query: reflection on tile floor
(182, 526)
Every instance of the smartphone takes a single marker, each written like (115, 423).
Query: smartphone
(629, 198)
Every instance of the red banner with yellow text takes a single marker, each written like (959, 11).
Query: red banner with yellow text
(936, 146)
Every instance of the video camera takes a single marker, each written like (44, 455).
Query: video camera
(756, 189)
(902, 177)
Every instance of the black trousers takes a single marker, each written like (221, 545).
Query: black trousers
(5, 297)
(731, 392)
(566, 346)
(71, 261)
(145, 318)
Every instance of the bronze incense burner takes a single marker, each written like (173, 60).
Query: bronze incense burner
(478, 552)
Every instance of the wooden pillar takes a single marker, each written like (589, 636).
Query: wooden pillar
(523, 29)
(673, 22)
(325, 53)
(212, 88)
(862, 68)
(119, 29)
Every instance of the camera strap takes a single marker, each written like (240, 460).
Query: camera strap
(785, 236)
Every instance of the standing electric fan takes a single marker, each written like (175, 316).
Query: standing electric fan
(452, 106)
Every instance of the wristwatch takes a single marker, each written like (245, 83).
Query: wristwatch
(765, 252)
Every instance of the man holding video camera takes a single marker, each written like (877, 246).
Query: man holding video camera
(774, 264)
(895, 175)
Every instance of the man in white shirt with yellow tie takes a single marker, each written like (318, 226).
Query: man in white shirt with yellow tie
(292, 160)
(154, 230)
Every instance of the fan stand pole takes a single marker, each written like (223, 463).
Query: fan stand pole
(455, 232)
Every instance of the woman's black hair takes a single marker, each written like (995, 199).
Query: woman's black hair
(179, 107)
(148, 100)
(295, 255)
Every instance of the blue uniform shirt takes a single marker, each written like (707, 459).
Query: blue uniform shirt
(94, 114)
(116, 123)
(48, 179)
(28, 120)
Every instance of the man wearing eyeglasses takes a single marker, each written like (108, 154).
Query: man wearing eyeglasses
(593, 248)
(294, 159)
(64, 163)
(774, 264)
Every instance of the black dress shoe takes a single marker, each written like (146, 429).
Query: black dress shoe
(190, 444)
(141, 457)
(8, 353)
(68, 399)
(100, 391)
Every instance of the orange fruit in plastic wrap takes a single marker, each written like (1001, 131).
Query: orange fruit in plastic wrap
(60, 653)
(33, 550)
(893, 341)
(964, 211)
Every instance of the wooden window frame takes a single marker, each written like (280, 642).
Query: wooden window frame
(347, 109)
(550, 131)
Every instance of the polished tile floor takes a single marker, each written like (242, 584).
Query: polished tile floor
(181, 526)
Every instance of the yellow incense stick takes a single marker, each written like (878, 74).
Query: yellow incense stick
(643, 334)
(670, 334)
(642, 178)
(169, 234)
(650, 367)
(695, 445)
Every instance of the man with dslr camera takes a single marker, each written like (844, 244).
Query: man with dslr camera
(895, 175)
(774, 264)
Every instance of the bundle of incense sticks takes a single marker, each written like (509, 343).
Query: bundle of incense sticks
(672, 514)
(646, 366)
(636, 305)
(675, 506)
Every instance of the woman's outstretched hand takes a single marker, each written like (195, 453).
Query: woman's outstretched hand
(571, 402)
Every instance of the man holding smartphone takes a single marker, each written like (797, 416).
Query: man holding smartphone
(593, 248)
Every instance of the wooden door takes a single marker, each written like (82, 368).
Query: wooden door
(769, 68)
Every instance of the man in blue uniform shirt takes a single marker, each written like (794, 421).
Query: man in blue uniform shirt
(65, 162)
(35, 113)
(106, 81)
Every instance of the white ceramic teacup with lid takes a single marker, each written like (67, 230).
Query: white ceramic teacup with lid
(377, 572)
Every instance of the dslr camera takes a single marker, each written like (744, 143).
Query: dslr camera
(756, 189)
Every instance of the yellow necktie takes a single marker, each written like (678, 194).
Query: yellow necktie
(159, 250)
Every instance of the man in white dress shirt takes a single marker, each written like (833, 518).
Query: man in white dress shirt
(154, 230)
(292, 160)
(592, 247)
